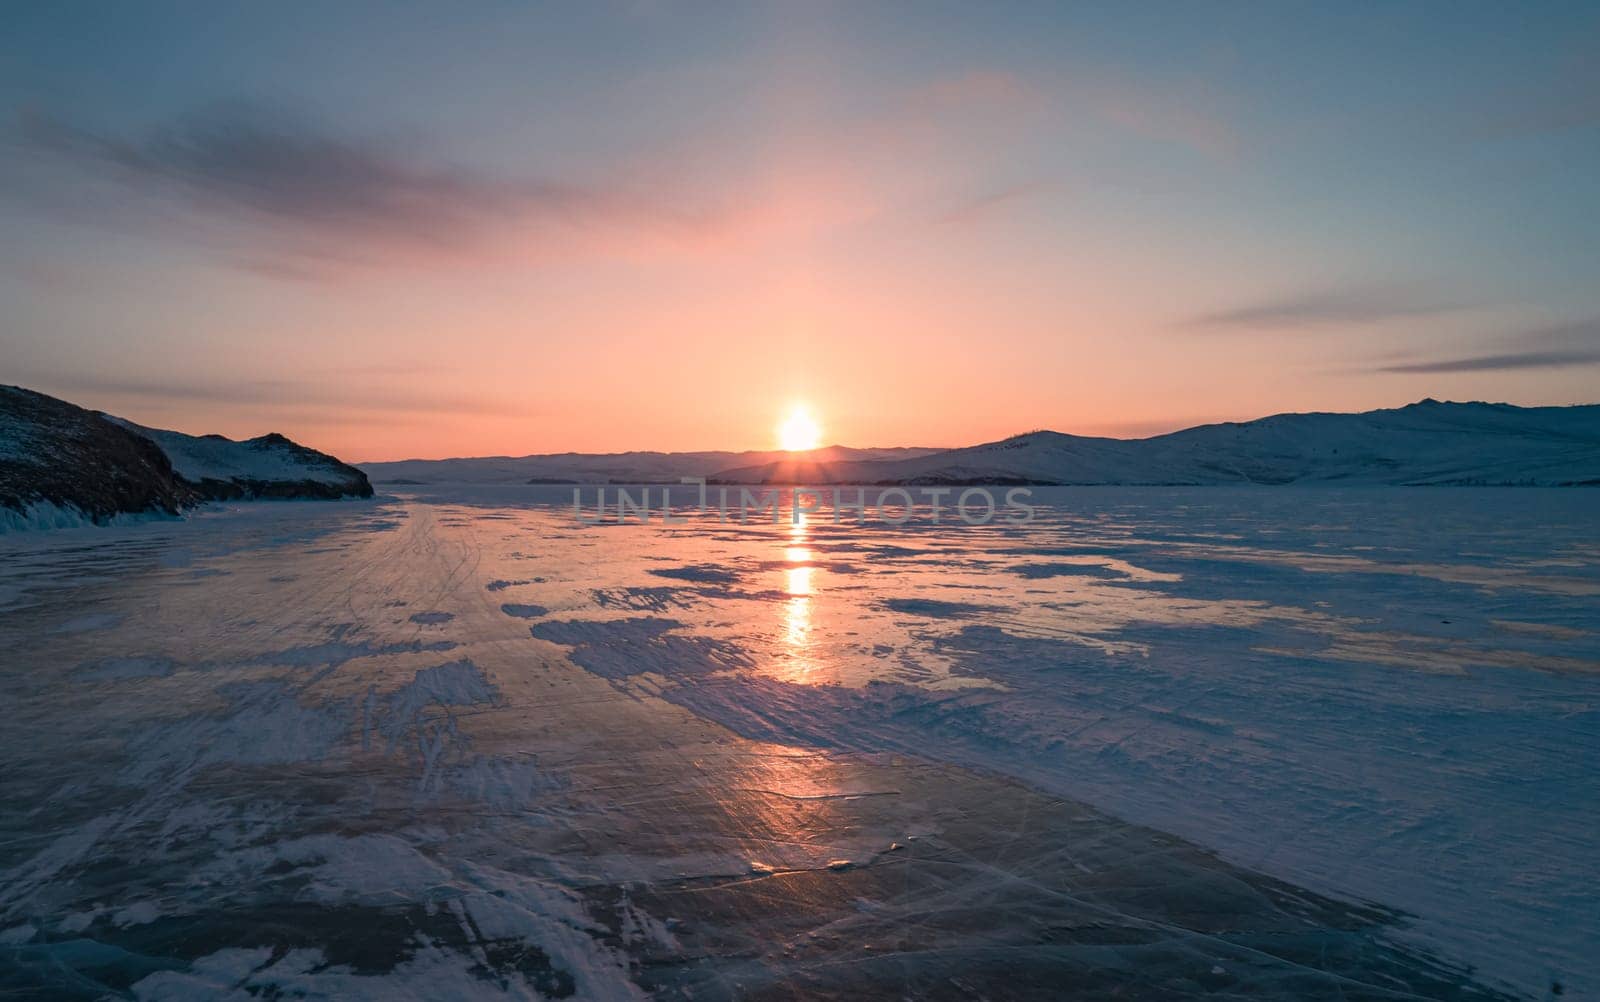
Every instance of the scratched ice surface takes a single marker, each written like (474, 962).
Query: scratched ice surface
(1162, 743)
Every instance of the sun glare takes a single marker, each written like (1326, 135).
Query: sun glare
(799, 431)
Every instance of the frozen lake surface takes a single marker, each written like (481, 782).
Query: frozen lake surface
(1275, 743)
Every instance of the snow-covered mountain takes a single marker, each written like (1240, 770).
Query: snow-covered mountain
(618, 467)
(270, 466)
(62, 465)
(1423, 443)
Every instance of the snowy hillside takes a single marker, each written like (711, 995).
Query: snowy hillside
(268, 466)
(1423, 443)
(62, 465)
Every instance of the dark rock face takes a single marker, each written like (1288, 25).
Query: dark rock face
(247, 488)
(61, 454)
(54, 452)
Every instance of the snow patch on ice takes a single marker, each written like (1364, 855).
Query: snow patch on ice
(457, 683)
(502, 584)
(494, 908)
(937, 608)
(524, 611)
(337, 652)
(431, 973)
(705, 573)
(621, 648)
(18, 934)
(142, 913)
(266, 725)
(89, 622)
(403, 718)
(503, 781)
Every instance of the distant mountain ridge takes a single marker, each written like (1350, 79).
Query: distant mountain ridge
(591, 468)
(1428, 442)
(64, 465)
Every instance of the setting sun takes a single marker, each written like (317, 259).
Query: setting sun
(799, 431)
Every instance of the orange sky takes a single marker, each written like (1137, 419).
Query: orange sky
(659, 230)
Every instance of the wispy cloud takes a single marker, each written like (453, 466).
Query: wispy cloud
(1189, 115)
(273, 393)
(1502, 363)
(335, 198)
(286, 196)
(250, 159)
(1346, 306)
(985, 91)
(1556, 347)
(979, 206)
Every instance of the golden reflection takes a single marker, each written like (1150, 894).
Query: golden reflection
(786, 808)
(797, 624)
(800, 587)
(799, 580)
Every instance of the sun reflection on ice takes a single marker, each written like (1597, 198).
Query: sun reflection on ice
(798, 585)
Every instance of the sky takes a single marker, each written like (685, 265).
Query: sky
(430, 230)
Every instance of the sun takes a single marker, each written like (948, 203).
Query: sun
(799, 431)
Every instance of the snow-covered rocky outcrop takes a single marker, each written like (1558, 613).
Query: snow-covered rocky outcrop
(1423, 443)
(267, 467)
(63, 465)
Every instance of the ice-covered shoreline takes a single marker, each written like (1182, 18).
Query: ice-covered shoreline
(1331, 688)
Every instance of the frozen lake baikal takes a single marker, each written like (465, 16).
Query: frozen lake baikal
(1267, 742)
